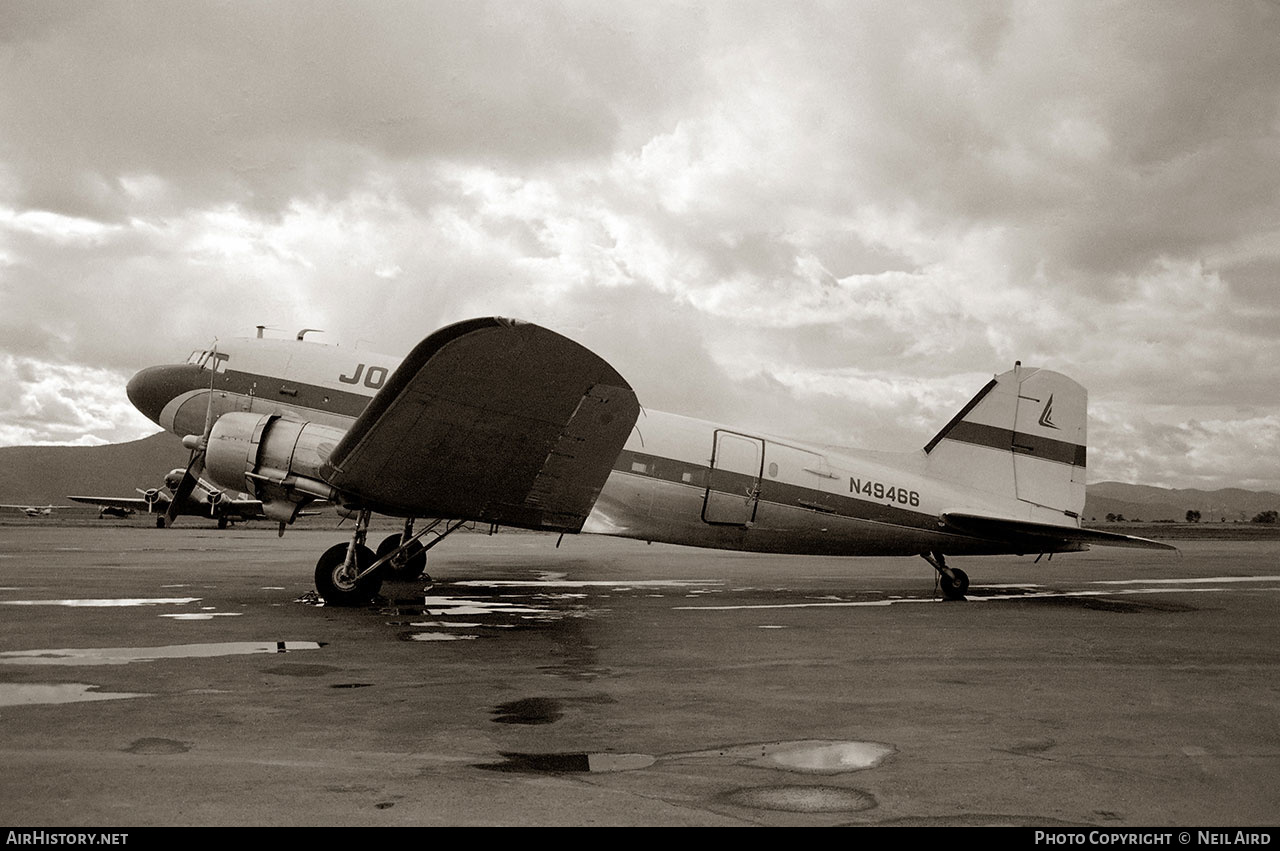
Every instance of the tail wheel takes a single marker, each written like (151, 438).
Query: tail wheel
(338, 585)
(407, 565)
(954, 586)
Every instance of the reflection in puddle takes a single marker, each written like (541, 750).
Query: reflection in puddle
(32, 694)
(809, 756)
(440, 636)
(106, 603)
(202, 616)
(125, 655)
(1009, 594)
(451, 606)
(589, 583)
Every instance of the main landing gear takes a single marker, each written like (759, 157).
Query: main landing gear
(953, 581)
(351, 574)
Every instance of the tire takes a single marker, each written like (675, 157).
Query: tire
(339, 590)
(954, 589)
(409, 564)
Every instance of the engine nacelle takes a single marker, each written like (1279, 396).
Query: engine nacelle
(275, 460)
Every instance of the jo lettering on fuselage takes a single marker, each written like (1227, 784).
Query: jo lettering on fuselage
(373, 379)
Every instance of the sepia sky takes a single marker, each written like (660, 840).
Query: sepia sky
(828, 220)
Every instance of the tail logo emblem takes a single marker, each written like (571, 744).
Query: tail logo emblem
(1046, 416)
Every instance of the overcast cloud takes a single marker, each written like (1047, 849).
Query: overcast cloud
(833, 221)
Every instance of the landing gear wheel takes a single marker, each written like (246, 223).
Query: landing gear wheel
(409, 564)
(954, 589)
(340, 588)
(160, 522)
(222, 522)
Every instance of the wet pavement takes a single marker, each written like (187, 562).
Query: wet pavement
(192, 677)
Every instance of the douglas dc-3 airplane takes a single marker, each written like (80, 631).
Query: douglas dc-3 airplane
(200, 500)
(37, 510)
(507, 423)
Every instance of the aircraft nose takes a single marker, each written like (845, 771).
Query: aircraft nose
(150, 390)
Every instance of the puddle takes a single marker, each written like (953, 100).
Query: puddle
(202, 616)
(808, 756)
(302, 669)
(106, 602)
(531, 710)
(572, 763)
(125, 655)
(1007, 594)
(157, 747)
(440, 636)
(802, 799)
(589, 583)
(33, 694)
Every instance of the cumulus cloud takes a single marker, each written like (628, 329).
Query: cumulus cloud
(833, 220)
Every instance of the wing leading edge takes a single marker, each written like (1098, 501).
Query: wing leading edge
(492, 420)
(1041, 534)
(120, 502)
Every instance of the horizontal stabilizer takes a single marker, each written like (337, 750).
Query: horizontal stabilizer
(492, 420)
(1031, 534)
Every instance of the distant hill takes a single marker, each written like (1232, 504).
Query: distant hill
(48, 474)
(1150, 504)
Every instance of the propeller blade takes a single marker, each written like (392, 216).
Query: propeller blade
(197, 444)
(188, 484)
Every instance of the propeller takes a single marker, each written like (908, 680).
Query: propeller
(197, 443)
(215, 497)
(151, 495)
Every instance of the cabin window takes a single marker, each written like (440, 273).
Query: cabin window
(687, 478)
(639, 467)
(773, 469)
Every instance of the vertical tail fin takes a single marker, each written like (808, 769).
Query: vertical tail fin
(1022, 436)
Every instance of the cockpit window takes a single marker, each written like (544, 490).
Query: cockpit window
(207, 359)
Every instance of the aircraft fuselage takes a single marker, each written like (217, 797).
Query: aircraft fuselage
(677, 480)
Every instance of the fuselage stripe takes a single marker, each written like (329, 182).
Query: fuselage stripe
(1020, 443)
(770, 491)
(275, 390)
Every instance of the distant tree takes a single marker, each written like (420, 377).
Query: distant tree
(1111, 517)
(1193, 516)
(1270, 516)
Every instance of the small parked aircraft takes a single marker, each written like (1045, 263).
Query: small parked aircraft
(508, 423)
(202, 499)
(37, 510)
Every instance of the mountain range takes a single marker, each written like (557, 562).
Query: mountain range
(40, 475)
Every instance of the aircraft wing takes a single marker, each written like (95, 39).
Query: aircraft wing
(1024, 531)
(493, 420)
(135, 503)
